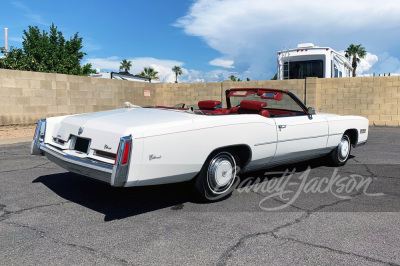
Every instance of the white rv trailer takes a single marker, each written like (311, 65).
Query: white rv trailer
(308, 60)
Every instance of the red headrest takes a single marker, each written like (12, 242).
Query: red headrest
(278, 97)
(208, 104)
(252, 105)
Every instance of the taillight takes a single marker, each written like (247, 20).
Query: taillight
(126, 153)
(125, 156)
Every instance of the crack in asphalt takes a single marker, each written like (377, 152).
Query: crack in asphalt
(332, 249)
(29, 168)
(366, 167)
(228, 254)
(7, 214)
(43, 235)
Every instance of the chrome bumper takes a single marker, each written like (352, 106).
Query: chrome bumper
(114, 174)
(87, 167)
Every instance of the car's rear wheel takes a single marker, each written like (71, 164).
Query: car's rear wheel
(217, 176)
(341, 153)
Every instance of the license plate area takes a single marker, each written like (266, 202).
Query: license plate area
(81, 145)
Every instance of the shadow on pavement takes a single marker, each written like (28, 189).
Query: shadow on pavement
(119, 203)
(116, 203)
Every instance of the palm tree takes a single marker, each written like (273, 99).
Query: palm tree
(178, 71)
(149, 72)
(125, 65)
(354, 53)
(232, 77)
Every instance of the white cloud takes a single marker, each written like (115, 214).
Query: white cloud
(109, 64)
(366, 63)
(373, 64)
(90, 45)
(16, 39)
(163, 67)
(222, 63)
(251, 32)
(29, 14)
(387, 64)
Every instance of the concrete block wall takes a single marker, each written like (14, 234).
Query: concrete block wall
(376, 98)
(26, 97)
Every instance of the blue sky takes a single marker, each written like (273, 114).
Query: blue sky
(212, 39)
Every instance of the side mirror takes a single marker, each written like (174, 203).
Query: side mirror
(311, 111)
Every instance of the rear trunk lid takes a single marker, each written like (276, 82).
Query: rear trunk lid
(103, 130)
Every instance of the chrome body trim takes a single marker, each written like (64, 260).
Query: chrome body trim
(83, 166)
(38, 138)
(260, 165)
(313, 137)
(265, 143)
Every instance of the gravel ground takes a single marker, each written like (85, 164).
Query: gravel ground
(16, 131)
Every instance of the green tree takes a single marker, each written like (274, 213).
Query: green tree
(354, 53)
(178, 71)
(232, 78)
(149, 72)
(125, 65)
(47, 52)
(275, 77)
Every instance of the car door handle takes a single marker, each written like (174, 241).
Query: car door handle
(282, 126)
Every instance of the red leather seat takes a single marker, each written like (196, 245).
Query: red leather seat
(234, 110)
(221, 111)
(252, 105)
(265, 113)
(208, 105)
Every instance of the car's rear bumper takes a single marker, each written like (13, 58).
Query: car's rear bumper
(87, 167)
(115, 174)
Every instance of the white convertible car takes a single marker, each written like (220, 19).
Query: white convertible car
(260, 128)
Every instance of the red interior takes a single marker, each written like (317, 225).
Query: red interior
(208, 105)
(246, 106)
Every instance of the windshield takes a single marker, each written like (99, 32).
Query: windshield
(274, 100)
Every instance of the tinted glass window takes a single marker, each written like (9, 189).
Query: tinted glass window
(303, 69)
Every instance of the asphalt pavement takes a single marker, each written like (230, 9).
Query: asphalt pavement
(308, 213)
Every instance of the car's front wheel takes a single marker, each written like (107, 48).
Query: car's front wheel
(217, 177)
(341, 153)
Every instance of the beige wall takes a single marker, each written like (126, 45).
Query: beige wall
(26, 97)
(376, 98)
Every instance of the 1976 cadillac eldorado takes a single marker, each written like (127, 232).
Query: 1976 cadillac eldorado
(260, 128)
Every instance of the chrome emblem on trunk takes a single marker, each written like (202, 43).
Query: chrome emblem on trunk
(106, 147)
(80, 131)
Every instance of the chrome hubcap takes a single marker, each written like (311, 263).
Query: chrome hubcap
(344, 148)
(221, 173)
